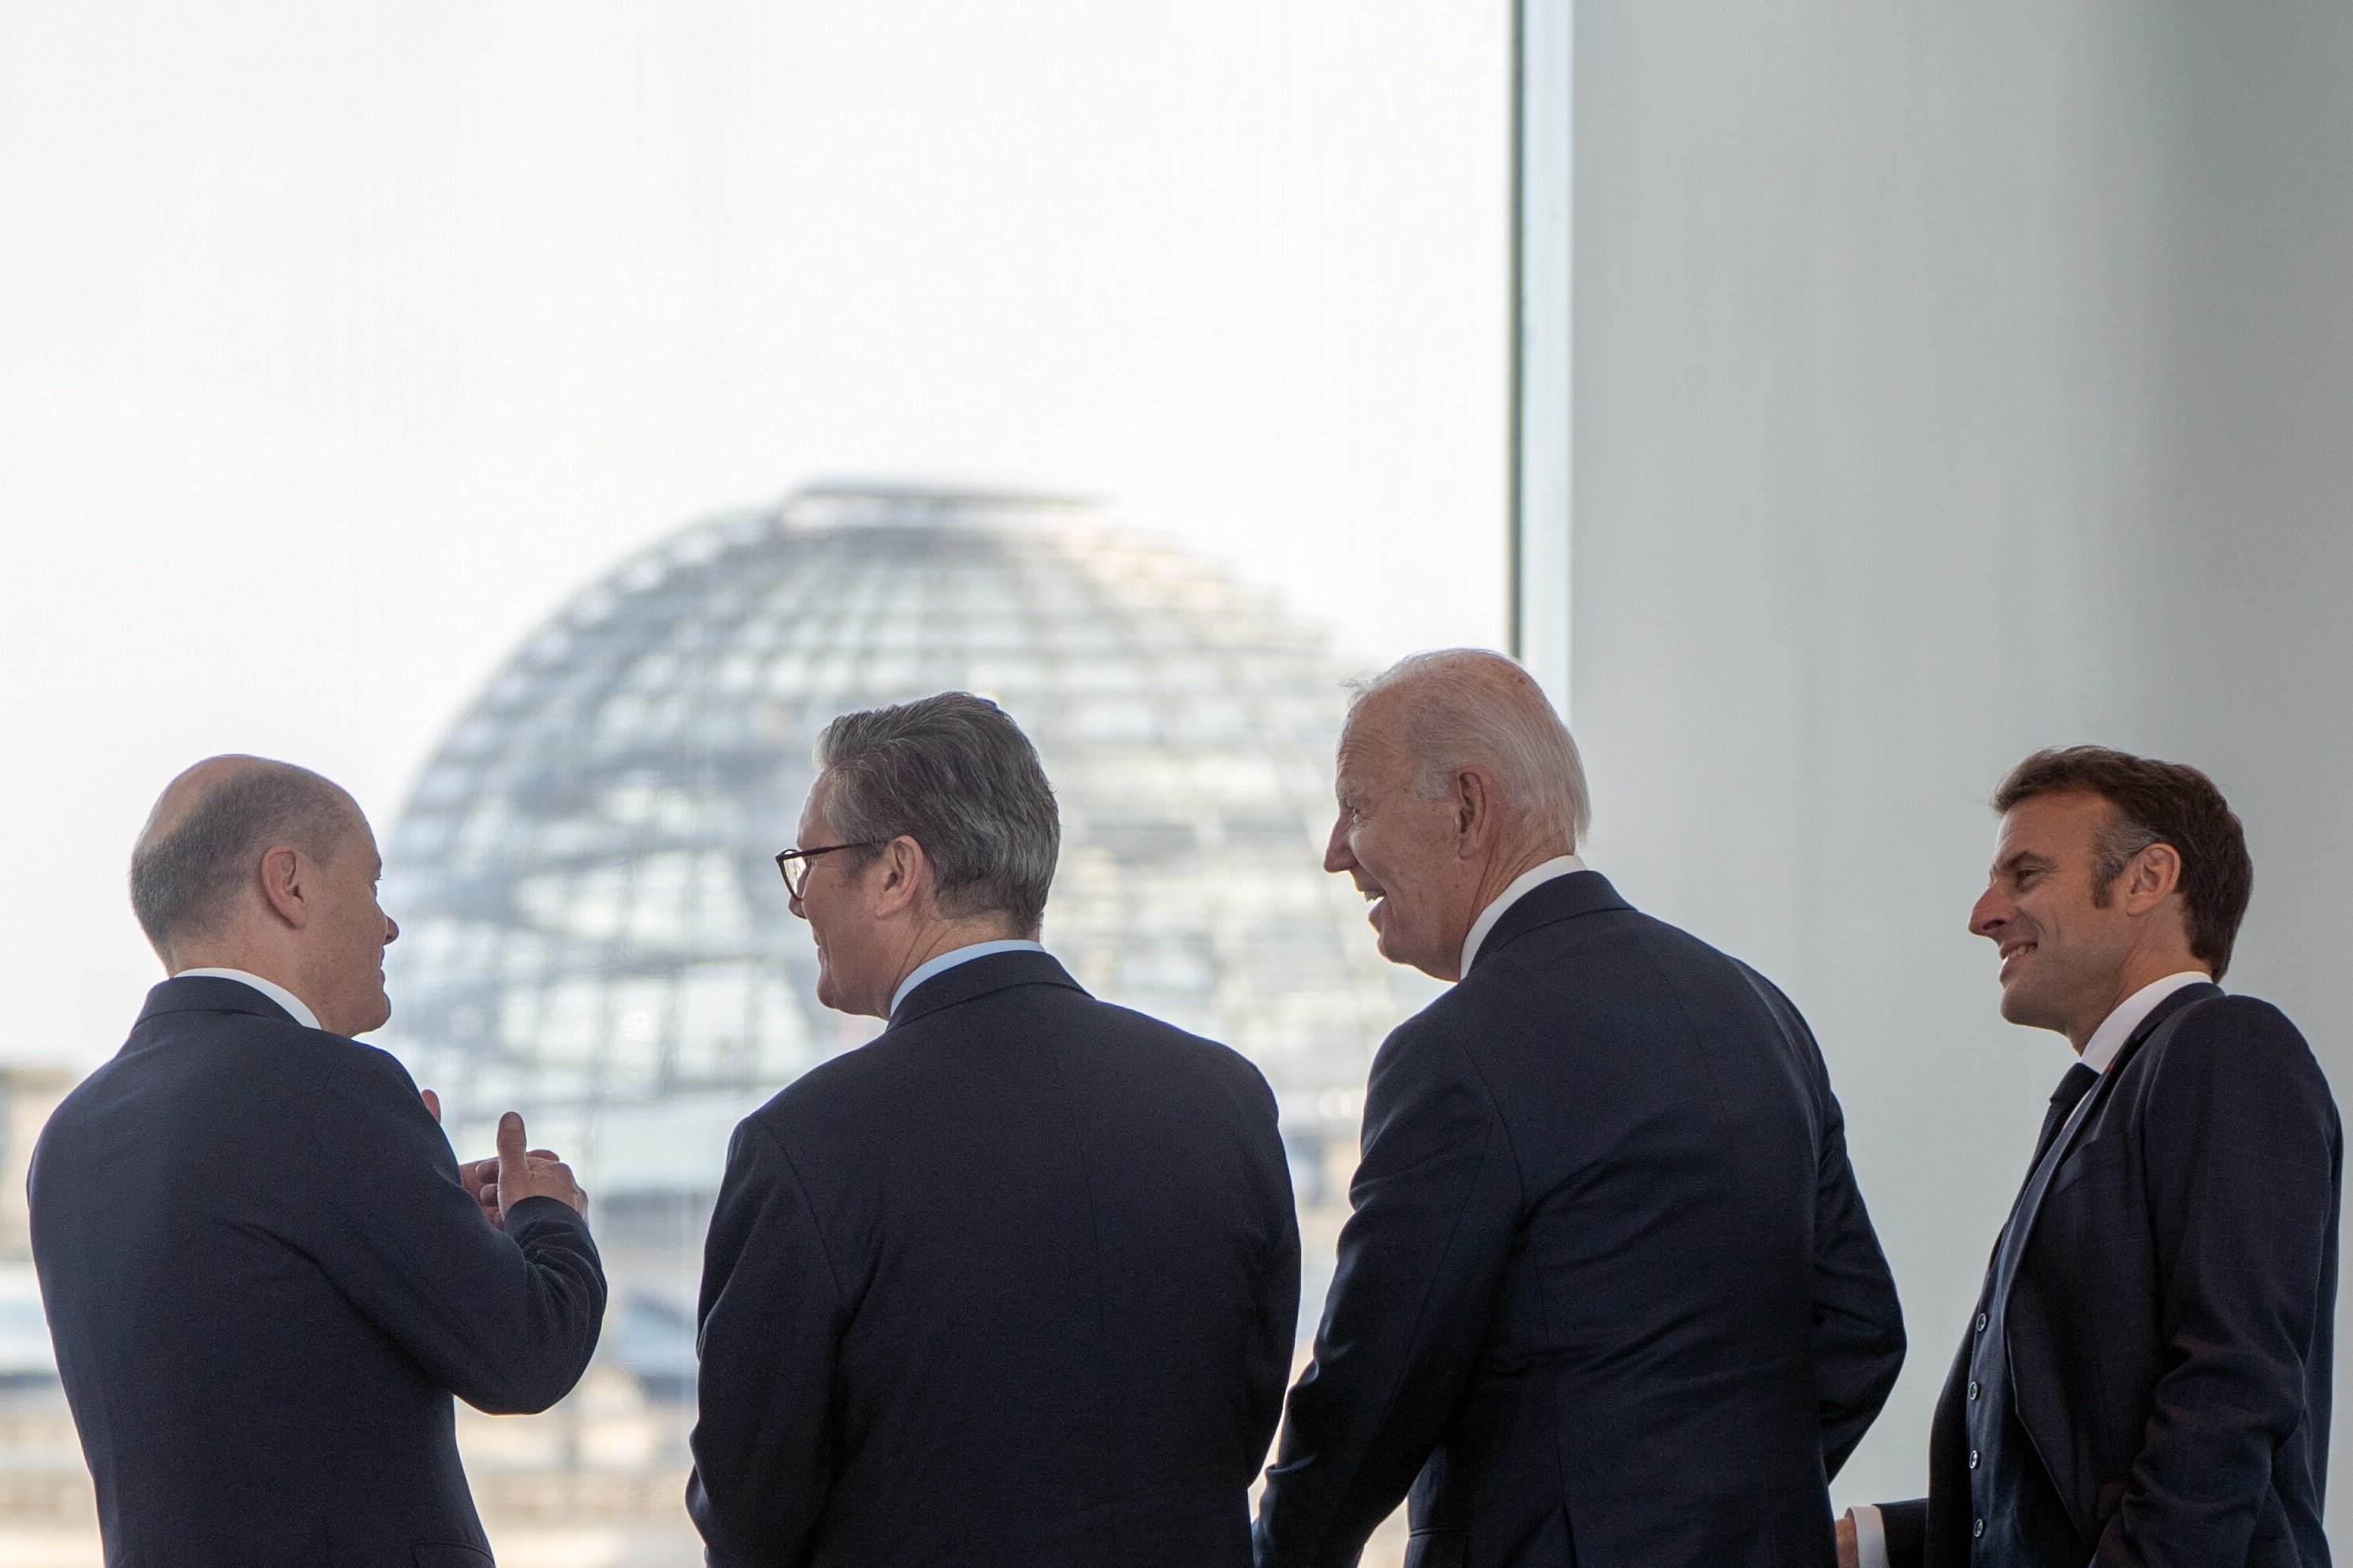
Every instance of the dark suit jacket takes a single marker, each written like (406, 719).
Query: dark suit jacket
(265, 1282)
(1610, 1295)
(2171, 1318)
(1015, 1283)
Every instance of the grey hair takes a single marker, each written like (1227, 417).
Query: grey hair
(1465, 707)
(956, 774)
(190, 858)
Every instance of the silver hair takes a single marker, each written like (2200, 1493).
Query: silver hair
(1465, 707)
(956, 774)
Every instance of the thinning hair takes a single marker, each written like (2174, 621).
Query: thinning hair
(1463, 708)
(2152, 802)
(208, 829)
(954, 774)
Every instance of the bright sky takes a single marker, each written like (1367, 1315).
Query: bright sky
(338, 343)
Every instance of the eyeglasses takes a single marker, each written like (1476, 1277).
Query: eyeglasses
(794, 864)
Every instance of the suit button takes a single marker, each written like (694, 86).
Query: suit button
(1973, 1459)
(1978, 1528)
(1981, 1322)
(1973, 1388)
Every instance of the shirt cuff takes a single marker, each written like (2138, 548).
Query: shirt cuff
(1870, 1536)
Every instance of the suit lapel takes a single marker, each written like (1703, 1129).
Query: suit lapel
(2051, 1447)
(2086, 1114)
(2030, 1200)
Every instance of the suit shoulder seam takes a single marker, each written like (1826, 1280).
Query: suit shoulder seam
(801, 1195)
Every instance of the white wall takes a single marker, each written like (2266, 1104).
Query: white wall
(1954, 380)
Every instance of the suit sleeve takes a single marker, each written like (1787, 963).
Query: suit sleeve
(1277, 1328)
(1858, 1324)
(1905, 1527)
(2243, 1157)
(772, 1320)
(1437, 1203)
(505, 1319)
(1858, 1334)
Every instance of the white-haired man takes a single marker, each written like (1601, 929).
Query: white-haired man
(1609, 1295)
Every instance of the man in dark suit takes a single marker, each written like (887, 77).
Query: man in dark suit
(264, 1271)
(2145, 1377)
(1609, 1296)
(1015, 1283)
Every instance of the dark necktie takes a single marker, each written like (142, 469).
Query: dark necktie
(2064, 1101)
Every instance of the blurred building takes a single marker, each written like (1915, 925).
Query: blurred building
(594, 929)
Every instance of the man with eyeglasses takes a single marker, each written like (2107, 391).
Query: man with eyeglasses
(1016, 1281)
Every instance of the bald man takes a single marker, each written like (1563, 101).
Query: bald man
(1609, 1296)
(265, 1272)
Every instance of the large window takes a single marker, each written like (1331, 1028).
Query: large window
(358, 356)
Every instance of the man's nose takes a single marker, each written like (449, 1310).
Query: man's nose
(391, 931)
(1336, 857)
(1990, 913)
(793, 901)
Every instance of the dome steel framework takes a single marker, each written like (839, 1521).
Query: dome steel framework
(594, 929)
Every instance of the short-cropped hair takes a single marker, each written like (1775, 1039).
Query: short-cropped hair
(954, 774)
(180, 879)
(2154, 803)
(1466, 707)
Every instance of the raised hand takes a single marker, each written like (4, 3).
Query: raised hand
(530, 1173)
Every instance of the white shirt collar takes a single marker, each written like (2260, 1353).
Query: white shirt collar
(2117, 1026)
(1524, 884)
(945, 961)
(269, 988)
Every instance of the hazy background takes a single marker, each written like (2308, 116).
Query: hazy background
(342, 343)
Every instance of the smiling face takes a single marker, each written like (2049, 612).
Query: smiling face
(346, 968)
(2065, 941)
(1403, 853)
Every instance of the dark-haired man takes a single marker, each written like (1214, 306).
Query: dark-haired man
(2146, 1376)
(1015, 1283)
(264, 1271)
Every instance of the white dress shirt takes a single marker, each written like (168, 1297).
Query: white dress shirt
(269, 988)
(945, 961)
(2099, 1054)
(1524, 884)
(2131, 1012)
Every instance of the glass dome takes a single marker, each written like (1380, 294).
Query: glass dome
(594, 930)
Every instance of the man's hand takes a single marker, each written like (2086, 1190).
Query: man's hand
(534, 1173)
(1849, 1555)
(478, 1177)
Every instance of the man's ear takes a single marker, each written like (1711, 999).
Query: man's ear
(285, 885)
(2153, 876)
(899, 877)
(1474, 808)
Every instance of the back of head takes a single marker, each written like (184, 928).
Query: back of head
(2155, 803)
(207, 831)
(954, 774)
(1459, 708)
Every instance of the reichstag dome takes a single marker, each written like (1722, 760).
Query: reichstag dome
(594, 930)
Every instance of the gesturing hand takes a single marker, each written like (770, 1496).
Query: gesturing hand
(478, 1177)
(534, 1173)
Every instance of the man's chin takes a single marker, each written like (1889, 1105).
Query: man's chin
(2022, 1006)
